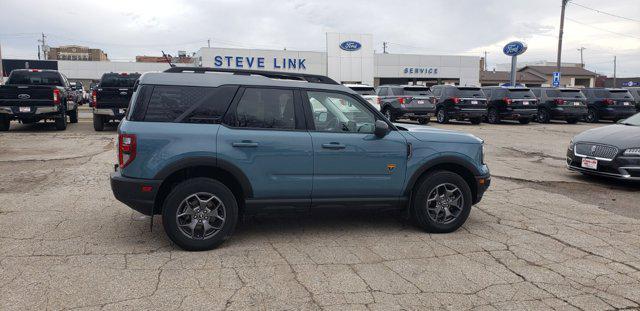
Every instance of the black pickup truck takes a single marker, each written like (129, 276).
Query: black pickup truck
(111, 98)
(31, 95)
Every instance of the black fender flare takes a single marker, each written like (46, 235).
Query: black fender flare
(227, 166)
(446, 159)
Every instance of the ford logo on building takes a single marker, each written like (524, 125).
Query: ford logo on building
(24, 96)
(514, 48)
(350, 46)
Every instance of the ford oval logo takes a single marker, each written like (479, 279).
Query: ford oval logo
(514, 48)
(24, 96)
(350, 46)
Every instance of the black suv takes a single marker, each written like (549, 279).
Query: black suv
(513, 103)
(460, 103)
(635, 92)
(406, 101)
(560, 104)
(608, 104)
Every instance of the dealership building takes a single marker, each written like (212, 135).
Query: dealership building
(348, 58)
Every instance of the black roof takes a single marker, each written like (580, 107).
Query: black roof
(269, 74)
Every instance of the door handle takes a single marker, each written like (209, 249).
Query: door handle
(245, 144)
(333, 145)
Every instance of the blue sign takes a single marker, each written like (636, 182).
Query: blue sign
(350, 46)
(514, 48)
(251, 62)
(556, 79)
(630, 83)
(421, 70)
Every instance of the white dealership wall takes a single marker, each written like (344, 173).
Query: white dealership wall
(464, 68)
(272, 60)
(91, 70)
(350, 66)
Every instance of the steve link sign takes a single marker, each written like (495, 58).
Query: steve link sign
(251, 62)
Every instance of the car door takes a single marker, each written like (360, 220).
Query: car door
(350, 162)
(264, 135)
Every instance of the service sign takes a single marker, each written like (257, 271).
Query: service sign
(350, 46)
(514, 48)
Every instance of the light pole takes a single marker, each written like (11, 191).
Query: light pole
(559, 62)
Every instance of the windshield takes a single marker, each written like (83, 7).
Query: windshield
(470, 92)
(620, 94)
(364, 90)
(520, 93)
(633, 120)
(564, 93)
(116, 80)
(416, 91)
(34, 78)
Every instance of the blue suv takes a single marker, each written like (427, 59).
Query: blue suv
(201, 146)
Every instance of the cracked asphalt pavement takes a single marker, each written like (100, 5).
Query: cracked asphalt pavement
(542, 238)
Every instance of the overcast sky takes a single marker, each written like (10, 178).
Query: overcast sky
(125, 28)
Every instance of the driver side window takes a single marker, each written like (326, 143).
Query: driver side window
(333, 112)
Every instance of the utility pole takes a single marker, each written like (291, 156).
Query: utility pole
(209, 43)
(581, 49)
(485, 60)
(1, 72)
(384, 48)
(614, 72)
(564, 5)
(44, 44)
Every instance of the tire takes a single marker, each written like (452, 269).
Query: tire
(524, 120)
(425, 212)
(592, 116)
(5, 123)
(493, 116)
(204, 188)
(424, 121)
(389, 114)
(441, 116)
(73, 116)
(61, 121)
(98, 123)
(572, 121)
(475, 121)
(543, 116)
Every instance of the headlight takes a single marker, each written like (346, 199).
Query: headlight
(571, 144)
(633, 152)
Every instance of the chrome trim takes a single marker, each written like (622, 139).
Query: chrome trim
(575, 152)
(41, 110)
(592, 172)
(104, 111)
(6, 110)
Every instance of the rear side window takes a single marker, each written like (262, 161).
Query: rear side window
(188, 104)
(520, 93)
(437, 91)
(415, 91)
(564, 93)
(470, 92)
(35, 78)
(364, 90)
(118, 80)
(620, 94)
(266, 108)
(383, 91)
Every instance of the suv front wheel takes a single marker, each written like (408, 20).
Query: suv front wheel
(200, 214)
(441, 202)
(442, 116)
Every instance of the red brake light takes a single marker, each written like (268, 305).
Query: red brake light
(126, 149)
(608, 101)
(35, 70)
(94, 99)
(507, 100)
(558, 101)
(404, 100)
(456, 100)
(56, 96)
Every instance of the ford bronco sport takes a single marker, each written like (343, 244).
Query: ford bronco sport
(200, 146)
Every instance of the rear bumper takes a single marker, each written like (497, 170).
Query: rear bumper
(113, 113)
(130, 192)
(519, 113)
(565, 113)
(468, 113)
(617, 113)
(34, 111)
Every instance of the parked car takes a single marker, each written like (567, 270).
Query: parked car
(407, 101)
(608, 104)
(111, 98)
(635, 92)
(560, 104)
(367, 92)
(611, 151)
(513, 103)
(77, 91)
(200, 149)
(460, 103)
(31, 95)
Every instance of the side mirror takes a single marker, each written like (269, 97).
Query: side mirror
(381, 129)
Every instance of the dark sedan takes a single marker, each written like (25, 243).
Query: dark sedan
(612, 151)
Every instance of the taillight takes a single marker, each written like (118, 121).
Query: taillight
(455, 100)
(379, 101)
(507, 100)
(56, 96)
(608, 101)
(558, 101)
(126, 149)
(404, 100)
(94, 99)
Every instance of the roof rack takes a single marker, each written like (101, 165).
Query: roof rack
(269, 74)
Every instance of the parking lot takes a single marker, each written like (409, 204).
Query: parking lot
(542, 238)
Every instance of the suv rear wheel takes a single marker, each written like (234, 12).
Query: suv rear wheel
(442, 202)
(61, 121)
(389, 114)
(543, 115)
(73, 115)
(199, 214)
(98, 122)
(592, 116)
(441, 116)
(5, 123)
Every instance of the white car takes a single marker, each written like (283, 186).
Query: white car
(367, 92)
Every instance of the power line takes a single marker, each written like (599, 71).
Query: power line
(602, 29)
(605, 13)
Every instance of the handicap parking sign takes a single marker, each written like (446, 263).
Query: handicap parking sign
(556, 79)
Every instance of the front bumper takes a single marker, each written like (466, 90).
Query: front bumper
(625, 168)
(482, 184)
(138, 194)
